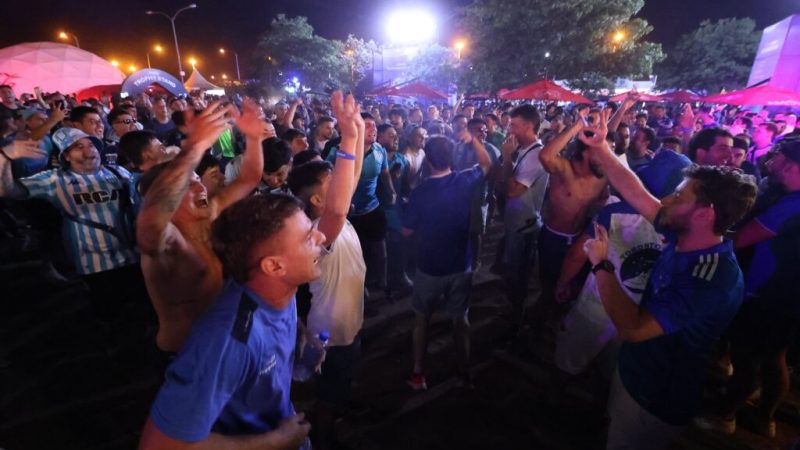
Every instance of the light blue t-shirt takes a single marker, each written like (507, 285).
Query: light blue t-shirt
(234, 374)
(365, 198)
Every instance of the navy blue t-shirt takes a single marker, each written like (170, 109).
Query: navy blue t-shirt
(438, 212)
(693, 296)
(234, 373)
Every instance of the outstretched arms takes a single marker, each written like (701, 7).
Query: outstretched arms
(549, 156)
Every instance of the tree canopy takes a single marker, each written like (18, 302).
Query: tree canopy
(714, 56)
(589, 43)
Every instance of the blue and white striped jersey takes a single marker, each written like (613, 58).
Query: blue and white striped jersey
(96, 198)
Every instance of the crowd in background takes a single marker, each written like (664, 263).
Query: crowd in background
(239, 235)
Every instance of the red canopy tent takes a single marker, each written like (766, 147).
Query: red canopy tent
(544, 90)
(642, 97)
(764, 95)
(417, 90)
(680, 97)
(381, 91)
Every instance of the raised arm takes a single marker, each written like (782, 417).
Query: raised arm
(16, 150)
(286, 120)
(252, 124)
(481, 155)
(629, 101)
(167, 191)
(633, 322)
(57, 114)
(550, 155)
(342, 183)
(622, 178)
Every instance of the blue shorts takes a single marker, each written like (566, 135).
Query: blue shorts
(433, 292)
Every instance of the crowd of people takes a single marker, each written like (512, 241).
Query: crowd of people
(243, 235)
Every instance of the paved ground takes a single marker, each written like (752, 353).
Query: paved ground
(66, 386)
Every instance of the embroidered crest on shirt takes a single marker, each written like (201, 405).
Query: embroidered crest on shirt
(706, 266)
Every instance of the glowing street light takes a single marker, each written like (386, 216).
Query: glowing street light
(156, 48)
(212, 77)
(460, 45)
(618, 37)
(114, 63)
(236, 60)
(132, 68)
(224, 77)
(64, 36)
(546, 54)
(411, 27)
(174, 34)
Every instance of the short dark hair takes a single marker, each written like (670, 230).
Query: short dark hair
(475, 121)
(705, 139)
(671, 140)
(178, 118)
(79, 112)
(748, 123)
(148, 178)
(382, 128)
(115, 113)
(305, 177)
(206, 162)
(367, 116)
(771, 126)
(323, 119)
(133, 144)
(729, 190)
(397, 112)
(292, 134)
(641, 115)
(740, 143)
(457, 116)
(305, 156)
(650, 135)
(276, 154)
(493, 117)
(439, 152)
(528, 113)
(241, 227)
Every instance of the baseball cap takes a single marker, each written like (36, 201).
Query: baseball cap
(664, 173)
(28, 112)
(64, 138)
(790, 149)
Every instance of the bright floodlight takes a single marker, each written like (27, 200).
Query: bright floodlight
(411, 27)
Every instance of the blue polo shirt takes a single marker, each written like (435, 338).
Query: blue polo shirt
(438, 212)
(234, 373)
(693, 296)
(365, 198)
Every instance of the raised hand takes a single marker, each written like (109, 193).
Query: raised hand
(251, 121)
(24, 150)
(597, 249)
(465, 136)
(509, 145)
(204, 129)
(687, 117)
(57, 112)
(595, 136)
(347, 113)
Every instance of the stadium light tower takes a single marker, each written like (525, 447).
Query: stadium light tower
(411, 27)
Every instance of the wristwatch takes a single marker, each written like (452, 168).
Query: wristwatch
(603, 265)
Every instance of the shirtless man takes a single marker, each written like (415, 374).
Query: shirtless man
(575, 186)
(181, 271)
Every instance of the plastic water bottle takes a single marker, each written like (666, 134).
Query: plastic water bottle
(311, 358)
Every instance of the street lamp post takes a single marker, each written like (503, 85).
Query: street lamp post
(174, 33)
(64, 35)
(236, 60)
(460, 45)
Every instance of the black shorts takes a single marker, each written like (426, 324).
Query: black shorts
(334, 384)
(370, 226)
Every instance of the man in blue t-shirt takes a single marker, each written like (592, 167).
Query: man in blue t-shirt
(367, 216)
(438, 213)
(768, 322)
(229, 385)
(694, 291)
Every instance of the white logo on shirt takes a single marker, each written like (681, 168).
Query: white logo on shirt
(706, 266)
(273, 360)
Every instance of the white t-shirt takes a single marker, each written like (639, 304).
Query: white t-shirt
(337, 296)
(529, 172)
(633, 248)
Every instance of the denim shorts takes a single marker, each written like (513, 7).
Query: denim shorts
(434, 292)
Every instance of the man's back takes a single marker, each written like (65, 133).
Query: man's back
(438, 212)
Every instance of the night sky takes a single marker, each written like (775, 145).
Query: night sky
(121, 30)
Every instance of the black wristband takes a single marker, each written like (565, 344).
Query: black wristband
(605, 264)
